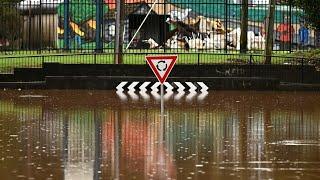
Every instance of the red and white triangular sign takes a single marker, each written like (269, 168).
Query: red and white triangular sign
(162, 65)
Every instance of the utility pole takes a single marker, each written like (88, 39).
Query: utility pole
(244, 27)
(270, 31)
(118, 49)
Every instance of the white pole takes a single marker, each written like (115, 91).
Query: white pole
(161, 101)
(145, 18)
(161, 116)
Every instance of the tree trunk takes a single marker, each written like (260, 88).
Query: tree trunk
(99, 19)
(119, 32)
(66, 19)
(270, 31)
(244, 27)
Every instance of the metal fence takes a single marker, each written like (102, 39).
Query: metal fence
(283, 67)
(172, 26)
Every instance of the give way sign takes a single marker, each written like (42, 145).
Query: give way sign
(162, 65)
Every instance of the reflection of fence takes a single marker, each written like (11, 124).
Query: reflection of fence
(89, 25)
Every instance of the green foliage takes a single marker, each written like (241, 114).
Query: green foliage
(311, 9)
(10, 22)
(81, 10)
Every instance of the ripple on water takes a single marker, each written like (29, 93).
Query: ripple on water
(297, 143)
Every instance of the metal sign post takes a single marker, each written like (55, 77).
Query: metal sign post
(160, 140)
(161, 67)
(161, 102)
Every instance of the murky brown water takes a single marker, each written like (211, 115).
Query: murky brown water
(94, 135)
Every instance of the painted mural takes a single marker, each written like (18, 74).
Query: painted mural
(82, 23)
(176, 24)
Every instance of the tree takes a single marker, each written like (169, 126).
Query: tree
(119, 32)
(244, 27)
(311, 11)
(270, 30)
(10, 21)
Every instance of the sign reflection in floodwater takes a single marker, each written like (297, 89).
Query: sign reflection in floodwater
(93, 134)
(168, 95)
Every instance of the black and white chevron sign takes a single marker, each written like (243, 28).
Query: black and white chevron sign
(144, 90)
(175, 86)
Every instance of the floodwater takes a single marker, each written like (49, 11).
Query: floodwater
(96, 135)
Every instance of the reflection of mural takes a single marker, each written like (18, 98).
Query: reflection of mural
(140, 149)
(81, 146)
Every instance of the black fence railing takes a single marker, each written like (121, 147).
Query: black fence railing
(192, 58)
(286, 68)
(37, 27)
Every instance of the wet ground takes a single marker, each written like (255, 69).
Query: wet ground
(95, 135)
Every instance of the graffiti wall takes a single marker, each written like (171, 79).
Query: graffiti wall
(172, 24)
(83, 24)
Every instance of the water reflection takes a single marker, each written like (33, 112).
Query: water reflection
(94, 135)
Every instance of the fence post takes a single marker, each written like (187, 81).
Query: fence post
(165, 24)
(290, 23)
(302, 69)
(99, 19)
(66, 25)
(198, 69)
(42, 60)
(29, 28)
(226, 25)
(250, 65)
(40, 26)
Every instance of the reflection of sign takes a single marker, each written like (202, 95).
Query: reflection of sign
(129, 89)
(161, 65)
